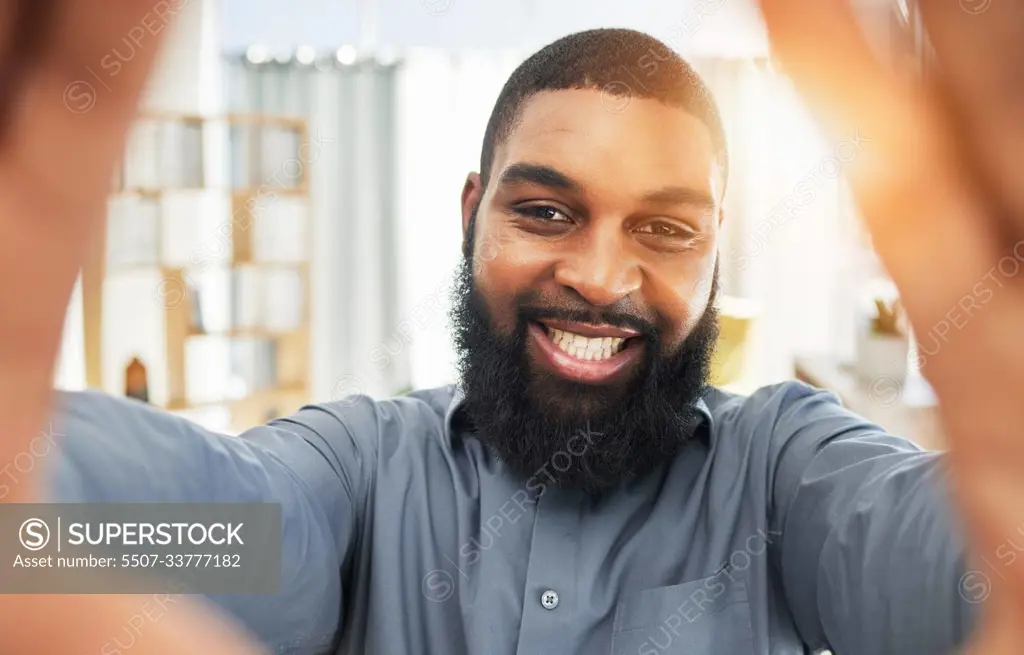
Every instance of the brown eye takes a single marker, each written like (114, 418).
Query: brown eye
(543, 213)
(662, 229)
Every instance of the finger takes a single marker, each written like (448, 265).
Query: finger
(979, 45)
(917, 202)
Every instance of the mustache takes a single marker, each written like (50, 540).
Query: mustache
(576, 313)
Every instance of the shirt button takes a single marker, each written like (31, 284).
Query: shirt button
(549, 599)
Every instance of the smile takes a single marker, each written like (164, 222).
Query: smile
(586, 348)
(591, 354)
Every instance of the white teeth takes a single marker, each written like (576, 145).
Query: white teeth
(585, 348)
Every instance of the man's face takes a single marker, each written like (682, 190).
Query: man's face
(593, 263)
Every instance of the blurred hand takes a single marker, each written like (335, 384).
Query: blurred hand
(941, 188)
(57, 161)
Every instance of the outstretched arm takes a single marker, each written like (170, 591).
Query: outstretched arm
(871, 552)
(115, 450)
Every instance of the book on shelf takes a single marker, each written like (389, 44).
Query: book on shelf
(279, 152)
(279, 230)
(243, 156)
(133, 231)
(142, 156)
(254, 364)
(207, 368)
(182, 154)
(283, 300)
(246, 298)
(162, 154)
(265, 156)
(195, 298)
(267, 298)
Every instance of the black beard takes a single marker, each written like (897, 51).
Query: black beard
(569, 434)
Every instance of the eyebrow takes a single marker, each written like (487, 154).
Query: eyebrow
(677, 195)
(538, 174)
(546, 176)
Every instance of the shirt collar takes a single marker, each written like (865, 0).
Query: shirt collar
(455, 420)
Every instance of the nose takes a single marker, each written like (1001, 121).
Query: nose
(600, 268)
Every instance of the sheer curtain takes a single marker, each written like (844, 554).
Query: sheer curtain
(784, 240)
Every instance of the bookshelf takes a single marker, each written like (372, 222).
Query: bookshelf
(203, 273)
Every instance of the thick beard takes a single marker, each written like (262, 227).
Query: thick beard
(581, 437)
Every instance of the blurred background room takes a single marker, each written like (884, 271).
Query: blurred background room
(286, 223)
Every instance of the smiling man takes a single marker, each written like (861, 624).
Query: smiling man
(583, 490)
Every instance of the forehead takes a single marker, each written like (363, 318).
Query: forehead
(598, 139)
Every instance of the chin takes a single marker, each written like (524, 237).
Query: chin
(569, 401)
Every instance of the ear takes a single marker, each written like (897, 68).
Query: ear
(472, 192)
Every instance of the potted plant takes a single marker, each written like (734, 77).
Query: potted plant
(882, 344)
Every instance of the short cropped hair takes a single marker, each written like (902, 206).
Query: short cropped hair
(619, 62)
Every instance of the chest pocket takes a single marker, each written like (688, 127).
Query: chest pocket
(704, 617)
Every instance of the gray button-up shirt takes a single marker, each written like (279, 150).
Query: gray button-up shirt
(788, 524)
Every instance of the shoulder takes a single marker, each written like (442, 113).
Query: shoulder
(775, 411)
(785, 427)
(788, 424)
(379, 426)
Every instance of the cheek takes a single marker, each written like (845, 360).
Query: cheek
(698, 292)
(683, 305)
(505, 268)
(499, 282)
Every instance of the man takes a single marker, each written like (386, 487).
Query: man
(583, 491)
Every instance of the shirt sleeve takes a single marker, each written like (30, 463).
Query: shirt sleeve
(114, 450)
(871, 555)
